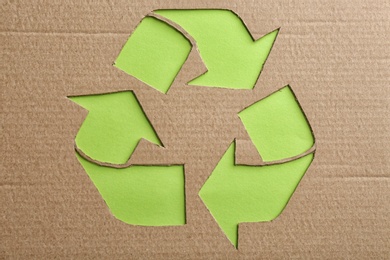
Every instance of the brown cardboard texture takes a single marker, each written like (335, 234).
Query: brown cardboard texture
(335, 57)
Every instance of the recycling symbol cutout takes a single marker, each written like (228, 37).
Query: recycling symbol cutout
(236, 191)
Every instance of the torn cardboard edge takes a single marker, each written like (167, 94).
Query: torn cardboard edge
(246, 156)
(143, 142)
(152, 13)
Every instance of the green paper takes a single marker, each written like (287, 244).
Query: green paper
(236, 194)
(141, 195)
(233, 58)
(154, 53)
(277, 126)
(114, 126)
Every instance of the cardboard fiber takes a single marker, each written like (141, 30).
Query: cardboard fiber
(334, 55)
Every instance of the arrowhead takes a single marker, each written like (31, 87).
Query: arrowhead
(233, 58)
(114, 126)
(235, 194)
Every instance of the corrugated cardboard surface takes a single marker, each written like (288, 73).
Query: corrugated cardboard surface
(335, 55)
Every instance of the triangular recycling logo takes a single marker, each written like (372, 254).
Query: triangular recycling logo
(235, 192)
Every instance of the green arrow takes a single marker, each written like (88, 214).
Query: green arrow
(235, 194)
(113, 127)
(141, 195)
(233, 58)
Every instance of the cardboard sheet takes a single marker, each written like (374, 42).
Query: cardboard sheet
(335, 57)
